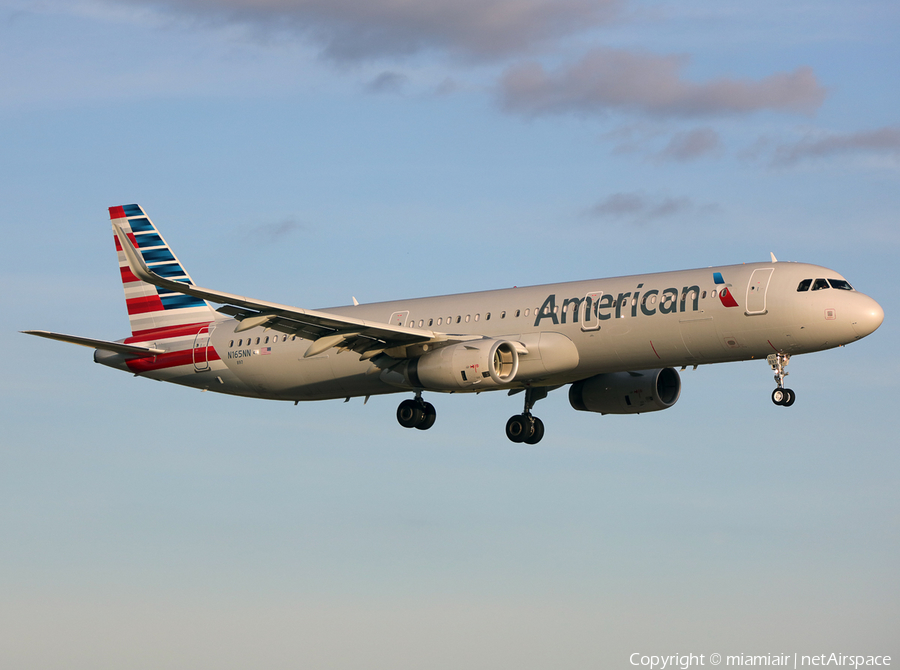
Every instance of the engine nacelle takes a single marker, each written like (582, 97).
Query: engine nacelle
(464, 366)
(627, 392)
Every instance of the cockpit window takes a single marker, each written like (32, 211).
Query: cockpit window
(820, 284)
(804, 285)
(841, 284)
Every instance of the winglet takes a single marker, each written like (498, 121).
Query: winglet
(774, 260)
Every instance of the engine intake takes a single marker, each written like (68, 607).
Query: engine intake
(627, 392)
(484, 363)
(468, 365)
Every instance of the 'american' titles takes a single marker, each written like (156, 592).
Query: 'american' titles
(589, 307)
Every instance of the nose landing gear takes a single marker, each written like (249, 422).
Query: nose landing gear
(416, 413)
(781, 395)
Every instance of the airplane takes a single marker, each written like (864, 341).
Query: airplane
(615, 342)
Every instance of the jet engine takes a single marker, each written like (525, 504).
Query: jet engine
(470, 365)
(627, 392)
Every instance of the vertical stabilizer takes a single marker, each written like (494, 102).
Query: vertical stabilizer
(155, 313)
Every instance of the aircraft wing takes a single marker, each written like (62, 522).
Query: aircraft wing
(103, 345)
(327, 329)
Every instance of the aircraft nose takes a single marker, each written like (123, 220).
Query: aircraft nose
(868, 317)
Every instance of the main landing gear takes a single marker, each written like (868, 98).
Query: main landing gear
(416, 413)
(781, 396)
(524, 427)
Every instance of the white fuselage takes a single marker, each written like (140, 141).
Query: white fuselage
(571, 331)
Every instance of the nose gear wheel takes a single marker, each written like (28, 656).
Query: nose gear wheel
(781, 396)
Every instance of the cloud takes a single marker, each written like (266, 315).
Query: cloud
(881, 141)
(618, 205)
(272, 233)
(640, 208)
(387, 82)
(691, 145)
(352, 30)
(606, 80)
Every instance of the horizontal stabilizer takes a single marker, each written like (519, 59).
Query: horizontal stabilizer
(103, 345)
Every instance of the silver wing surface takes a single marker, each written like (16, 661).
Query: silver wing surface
(327, 330)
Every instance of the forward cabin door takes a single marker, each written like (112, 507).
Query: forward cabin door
(756, 291)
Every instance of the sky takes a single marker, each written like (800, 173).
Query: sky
(309, 151)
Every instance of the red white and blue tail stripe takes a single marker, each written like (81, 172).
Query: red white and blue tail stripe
(155, 313)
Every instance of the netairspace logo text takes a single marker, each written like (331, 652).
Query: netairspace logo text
(685, 661)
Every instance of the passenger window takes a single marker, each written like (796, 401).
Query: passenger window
(232, 343)
(440, 319)
(430, 322)
(487, 317)
(458, 319)
(804, 285)
(477, 316)
(703, 295)
(840, 284)
(467, 318)
(526, 312)
(517, 313)
(503, 314)
(421, 323)
(820, 284)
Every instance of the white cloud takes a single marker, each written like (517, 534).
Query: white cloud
(352, 30)
(884, 140)
(691, 145)
(387, 82)
(607, 79)
(640, 208)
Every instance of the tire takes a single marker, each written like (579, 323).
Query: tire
(790, 398)
(537, 433)
(429, 415)
(410, 414)
(517, 428)
(779, 396)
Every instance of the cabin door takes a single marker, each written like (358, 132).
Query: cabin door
(756, 290)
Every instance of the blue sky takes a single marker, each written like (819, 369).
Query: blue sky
(304, 152)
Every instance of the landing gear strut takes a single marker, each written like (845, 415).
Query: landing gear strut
(781, 395)
(524, 427)
(416, 413)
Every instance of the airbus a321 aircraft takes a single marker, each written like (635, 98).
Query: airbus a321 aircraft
(616, 342)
